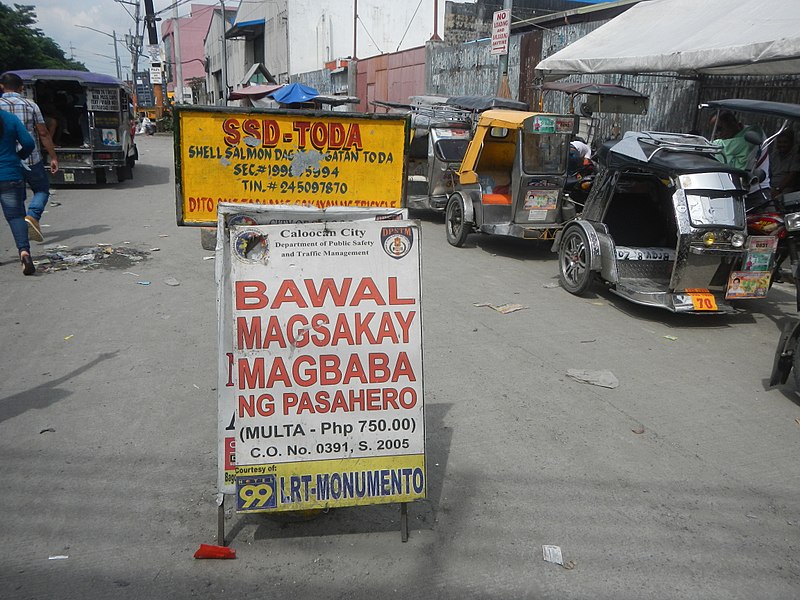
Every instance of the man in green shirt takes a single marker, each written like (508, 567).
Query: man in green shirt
(730, 137)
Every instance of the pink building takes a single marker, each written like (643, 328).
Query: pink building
(192, 31)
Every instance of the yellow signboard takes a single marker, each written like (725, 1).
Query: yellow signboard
(302, 158)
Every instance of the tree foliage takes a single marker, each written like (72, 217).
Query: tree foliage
(25, 46)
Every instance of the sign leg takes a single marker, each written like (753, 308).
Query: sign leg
(221, 522)
(404, 521)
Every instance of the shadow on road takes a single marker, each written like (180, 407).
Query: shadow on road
(58, 236)
(45, 394)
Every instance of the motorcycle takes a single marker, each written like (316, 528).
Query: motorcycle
(769, 218)
(778, 217)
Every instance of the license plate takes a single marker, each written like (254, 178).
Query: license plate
(69, 177)
(704, 301)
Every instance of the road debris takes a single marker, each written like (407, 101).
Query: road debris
(49, 429)
(638, 430)
(69, 337)
(172, 281)
(143, 282)
(550, 286)
(600, 378)
(60, 258)
(501, 308)
(552, 554)
(58, 557)
(210, 551)
(208, 258)
(671, 338)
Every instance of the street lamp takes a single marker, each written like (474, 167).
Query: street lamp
(113, 36)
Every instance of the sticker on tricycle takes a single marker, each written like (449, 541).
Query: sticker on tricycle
(637, 253)
(748, 284)
(541, 199)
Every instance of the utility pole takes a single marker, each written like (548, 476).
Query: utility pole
(503, 90)
(224, 56)
(152, 36)
(355, 28)
(116, 55)
(177, 96)
(435, 37)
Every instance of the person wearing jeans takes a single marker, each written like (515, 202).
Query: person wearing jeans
(35, 174)
(13, 135)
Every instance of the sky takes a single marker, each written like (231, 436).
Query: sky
(58, 19)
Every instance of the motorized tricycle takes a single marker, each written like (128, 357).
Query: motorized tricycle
(441, 128)
(511, 181)
(664, 226)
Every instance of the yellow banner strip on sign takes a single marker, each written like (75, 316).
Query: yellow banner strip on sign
(330, 483)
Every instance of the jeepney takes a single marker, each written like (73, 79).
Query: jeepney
(92, 122)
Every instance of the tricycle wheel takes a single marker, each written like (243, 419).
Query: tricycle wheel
(455, 225)
(573, 260)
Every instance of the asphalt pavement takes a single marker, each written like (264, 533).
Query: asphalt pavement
(679, 483)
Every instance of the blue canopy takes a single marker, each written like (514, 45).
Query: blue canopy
(294, 92)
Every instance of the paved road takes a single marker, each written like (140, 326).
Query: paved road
(680, 483)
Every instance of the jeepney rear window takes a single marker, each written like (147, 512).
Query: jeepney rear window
(714, 208)
(451, 150)
(544, 152)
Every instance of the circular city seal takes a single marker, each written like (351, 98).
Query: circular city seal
(397, 241)
(241, 220)
(251, 245)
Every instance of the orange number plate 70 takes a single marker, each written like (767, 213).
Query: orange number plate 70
(703, 301)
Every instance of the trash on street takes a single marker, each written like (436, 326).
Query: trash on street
(600, 378)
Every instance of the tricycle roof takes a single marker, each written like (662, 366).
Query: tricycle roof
(592, 89)
(665, 153)
(765, 107)
(514, 119)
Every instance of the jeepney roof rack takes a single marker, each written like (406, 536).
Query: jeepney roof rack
(427, 114)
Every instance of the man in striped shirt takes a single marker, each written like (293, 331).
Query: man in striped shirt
(28, 112)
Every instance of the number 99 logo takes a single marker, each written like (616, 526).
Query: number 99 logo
(254, 493)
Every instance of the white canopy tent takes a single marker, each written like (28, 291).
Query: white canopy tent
(688, 37)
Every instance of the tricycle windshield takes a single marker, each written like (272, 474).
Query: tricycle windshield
(451, 150)
(713, 199)
(714, 208)
(544, 152)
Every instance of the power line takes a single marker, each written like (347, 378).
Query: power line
(409, 26)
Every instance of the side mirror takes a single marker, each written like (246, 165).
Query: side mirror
(753, 137)
(586, 109)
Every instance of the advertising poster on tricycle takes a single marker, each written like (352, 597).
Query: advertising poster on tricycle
(304, 158)
(327, 364)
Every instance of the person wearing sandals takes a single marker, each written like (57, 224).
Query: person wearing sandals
(16, 144)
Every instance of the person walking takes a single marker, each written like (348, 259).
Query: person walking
(13, 135)
(31, 116)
